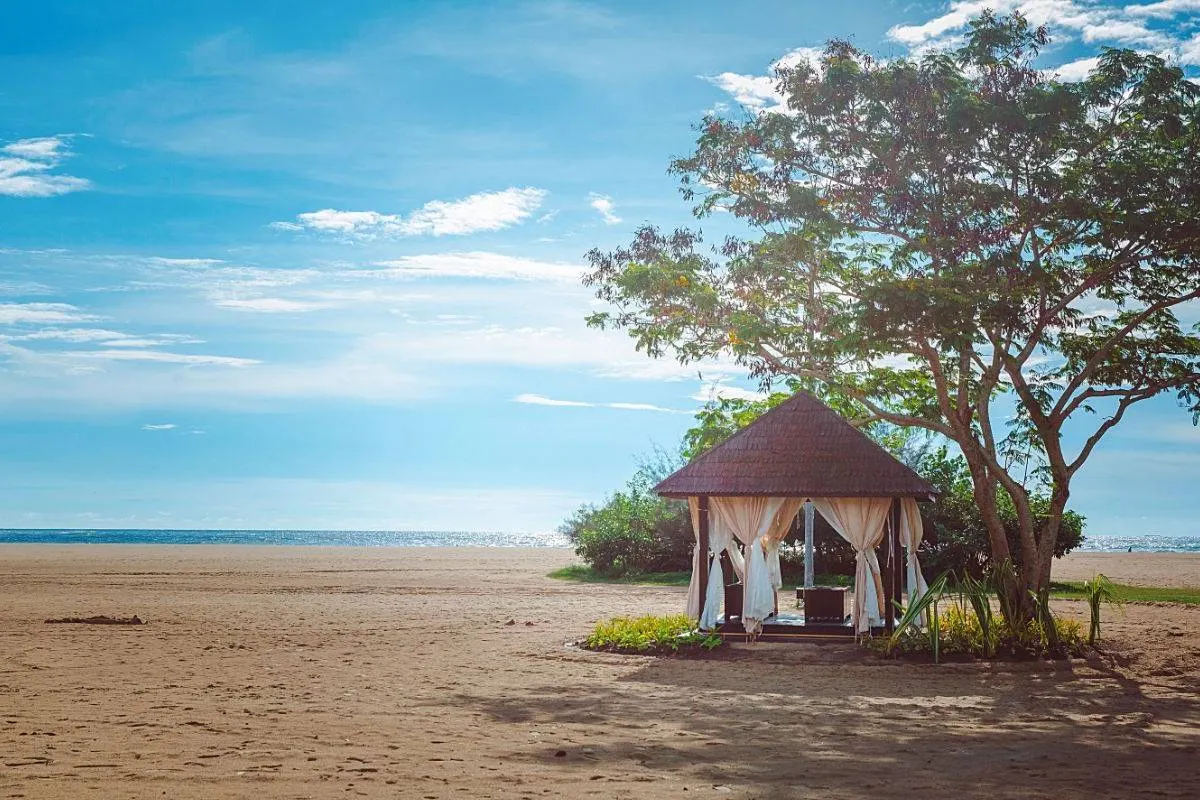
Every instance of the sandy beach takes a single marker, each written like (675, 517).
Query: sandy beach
(431, 673)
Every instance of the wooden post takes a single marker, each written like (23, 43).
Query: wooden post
(892, 583)
(809, 566)
(702, 545)
(887, 574)
(899, 563)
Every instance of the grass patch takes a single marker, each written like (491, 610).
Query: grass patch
(651, 635)
(1074, 590)
(582, 574)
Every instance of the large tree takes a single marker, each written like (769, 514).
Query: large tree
(944, 240)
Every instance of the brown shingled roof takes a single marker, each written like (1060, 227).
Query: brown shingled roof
(801, 448)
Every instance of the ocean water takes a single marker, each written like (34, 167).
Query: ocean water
(1104, 544)
(1142, 544)
(315, 538)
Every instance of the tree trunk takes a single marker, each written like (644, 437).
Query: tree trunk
(1029, 572)
(984, 486)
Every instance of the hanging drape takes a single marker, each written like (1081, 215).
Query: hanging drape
(860, 521)
(760, 523)
(719, 539)
(911, 533)
(693, 597)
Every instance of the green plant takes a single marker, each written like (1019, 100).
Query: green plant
(634, 531)
(912, 614)
(651, 634)
(1044, 618)
(960, 631)
(1003, 578)
(978, 592)
(1099, 590)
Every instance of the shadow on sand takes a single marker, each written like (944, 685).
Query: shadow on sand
(784, 721)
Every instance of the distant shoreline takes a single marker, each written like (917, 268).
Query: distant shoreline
(424, 538)
(279, 538)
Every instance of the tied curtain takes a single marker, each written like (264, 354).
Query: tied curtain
(719, 540)
(911, 533)
(861, 521)
(760, 523)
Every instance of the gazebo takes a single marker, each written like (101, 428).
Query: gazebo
(750, 488)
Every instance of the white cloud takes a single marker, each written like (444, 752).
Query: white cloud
(485, 211)
(269, 305)
(43, 149)
(148, 379)
(751, 91)
(956, 18)
(329, 220)
(27, 169)
(604, 204)
(642, 407)
(1123, 32)
(166, 426)
(711, 392)
(1189, 51)
(1163, 10)
(161, 357)
(571, 345)
(475, 265)
(18, 288)
(41, 314)
(539, 400)
(1095, 23)
(184, 262)
(109, 338)
(1075, 71)
(758, 92)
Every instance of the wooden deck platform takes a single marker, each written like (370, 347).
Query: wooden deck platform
(787, 627)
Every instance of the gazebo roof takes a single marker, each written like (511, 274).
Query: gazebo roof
(801, 448)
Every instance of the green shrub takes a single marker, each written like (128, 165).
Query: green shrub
(635, 531)
(1099, 590)
(956, 538)
(960, 633)
(650, 634)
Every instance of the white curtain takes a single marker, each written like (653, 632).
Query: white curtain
(719, 539)
(760, 523)
(911, 533)
(693, 596)
(860, 521)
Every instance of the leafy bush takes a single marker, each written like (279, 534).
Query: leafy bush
(635, 531)
(1099, 590)
(959, 633)
(956, 536)
(650, 634)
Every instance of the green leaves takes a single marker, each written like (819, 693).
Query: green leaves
(650, 634)
(926, 605)
(1098, 590)
(928, 234)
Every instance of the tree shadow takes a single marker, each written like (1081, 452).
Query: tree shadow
(786, 720)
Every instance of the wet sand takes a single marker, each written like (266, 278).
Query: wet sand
(431, 673)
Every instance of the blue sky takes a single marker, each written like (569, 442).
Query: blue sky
(315, 265)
